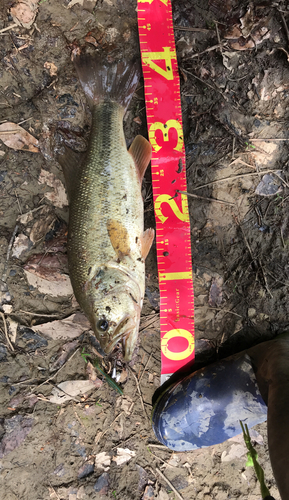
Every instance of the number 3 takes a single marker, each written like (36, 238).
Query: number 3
(165, 127)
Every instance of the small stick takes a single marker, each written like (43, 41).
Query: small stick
(170, 484)
(6, 332)
(139, 391)
(8, 28)
(218, 36)
(233, 177)
(4, 275)
(145, 367)
(19, 206)
(209, 49)
(204, 198)
(161, 446)
(185, 28)
(55, 374)
(227, 311)
(37, 314)
(267, 139)
(233, 147)
(104, 432)
(57, 496)
(285, 24)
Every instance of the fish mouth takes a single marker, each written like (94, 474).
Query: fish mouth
(122, 331)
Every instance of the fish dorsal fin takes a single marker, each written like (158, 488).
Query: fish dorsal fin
(71, 163)
(141, 151)
(146, 241)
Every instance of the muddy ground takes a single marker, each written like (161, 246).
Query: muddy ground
(235, 89)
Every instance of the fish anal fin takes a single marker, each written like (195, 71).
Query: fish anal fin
(119, 238)
(146, 241)
(141, 151)
(70, 162)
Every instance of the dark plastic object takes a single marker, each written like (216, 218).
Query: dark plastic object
(205, 408)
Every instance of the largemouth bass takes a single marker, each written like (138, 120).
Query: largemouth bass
(107, 244)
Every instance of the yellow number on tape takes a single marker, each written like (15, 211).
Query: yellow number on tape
(177, 356)
(167, 55)
(166, 198)
(165, 127)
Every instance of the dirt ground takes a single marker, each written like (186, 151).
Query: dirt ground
(233, 60)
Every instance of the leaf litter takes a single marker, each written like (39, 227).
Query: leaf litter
(214, 139)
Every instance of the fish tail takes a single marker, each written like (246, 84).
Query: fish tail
(103, 81)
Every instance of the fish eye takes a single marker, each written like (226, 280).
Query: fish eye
(102, 325)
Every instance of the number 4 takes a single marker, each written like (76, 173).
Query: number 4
(167, 55)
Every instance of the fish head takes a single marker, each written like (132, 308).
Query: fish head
(115, 314)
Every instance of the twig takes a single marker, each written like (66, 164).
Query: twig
(227, 311)
(185, 28)
(37, 314)
(161, 446)
(104, 432)
(161, 459)
(209, 49)
(4, 275)
(285, 24)
(206, 83)
(145, 367)
(8, 28)
(56, 373)
(233, 147)
(56, 494)
(6, 332)
(170, 484)
(204, 198)
(218, 36)
(267, 139)
(232, 178)
(139, 391)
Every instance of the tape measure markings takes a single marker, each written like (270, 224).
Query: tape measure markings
(172, 218)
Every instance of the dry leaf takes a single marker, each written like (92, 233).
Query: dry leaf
(86, 4)
(236, 451)
(24, 12)
(68, 328)
(216, 292)
(69, 390)
(125, 403)
(51, 67)
(58, 196)
(102, 461)
(51, 267)
(270, 185)
(162, 495)
(123, 455)
(61, 288)
(62, 355)
(21, 245)
(149, 493)
(16, 137)
(242, 44)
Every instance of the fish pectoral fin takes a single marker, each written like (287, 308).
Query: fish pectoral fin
(70, 162)
(146, 241)
(141, 151)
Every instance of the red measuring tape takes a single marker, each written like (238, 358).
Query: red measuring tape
(164, 118)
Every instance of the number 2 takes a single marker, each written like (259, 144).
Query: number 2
(166, 198)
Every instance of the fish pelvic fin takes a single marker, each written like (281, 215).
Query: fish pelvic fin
(146, 240)
(103, 81)
(141, 151)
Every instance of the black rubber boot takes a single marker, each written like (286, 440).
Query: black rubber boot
(205, 408)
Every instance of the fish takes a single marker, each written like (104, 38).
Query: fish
(107, 245)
